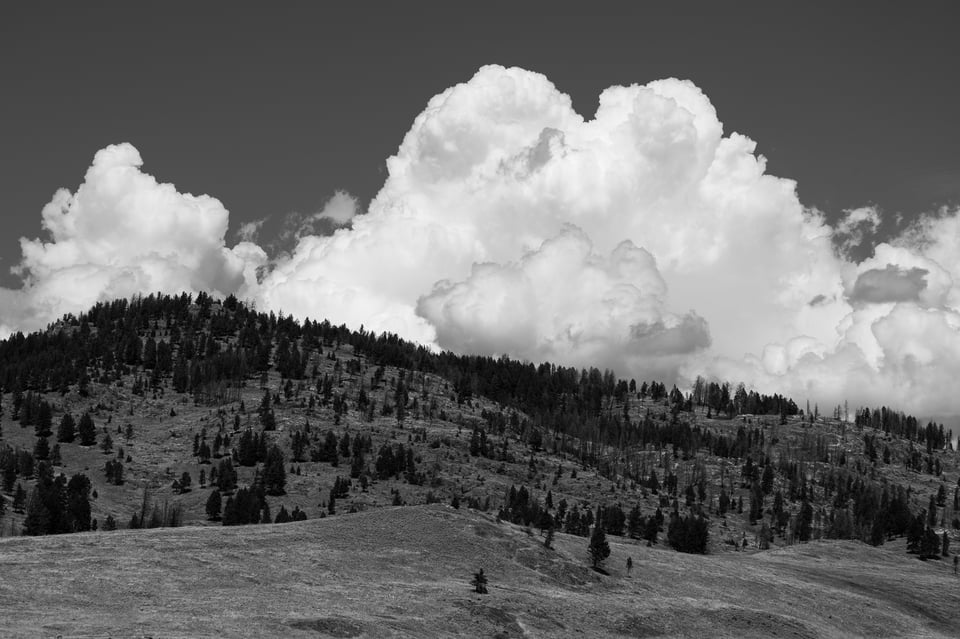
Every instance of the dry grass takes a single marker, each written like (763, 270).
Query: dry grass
(405, 572)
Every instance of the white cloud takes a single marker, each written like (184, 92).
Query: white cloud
(340, 208)
(250, 231)
(643, 238)
(123, 233)
(562, 302)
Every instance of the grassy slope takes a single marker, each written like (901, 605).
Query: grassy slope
(406, 571)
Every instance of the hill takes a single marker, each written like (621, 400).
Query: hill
(405, 572)
(188, 401)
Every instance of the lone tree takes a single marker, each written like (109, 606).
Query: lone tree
(479, 582)
(599, 548)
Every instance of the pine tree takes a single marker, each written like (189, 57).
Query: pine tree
(479, 582)
(44, 420)
(214, 505)
(41, 450)
(599, 549)
(67, 431)
(756, 502)
(107, 444)
(78, 503)
(37, 520)
(548, 540)
(274, 474)
(19, 498)
(87, 431)
(635, 523)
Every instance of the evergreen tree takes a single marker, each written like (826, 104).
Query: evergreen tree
(213, 505)
(599, 548)
(37, 520)
(548, 540)
(41, 450)
(479, 582)
(87, 430)
(19, 498)
(44, 420)
(107, 444)
(67, 431)
(756, 502)
(635, 523)
(274, 474)
(766, 481)
(78, 503)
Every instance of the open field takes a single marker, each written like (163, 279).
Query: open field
(405, 572)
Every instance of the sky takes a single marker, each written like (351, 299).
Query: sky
(760, 192)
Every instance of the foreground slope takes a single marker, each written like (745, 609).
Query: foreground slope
(405, 572)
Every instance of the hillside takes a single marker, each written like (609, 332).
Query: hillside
(185, 400)
(178, 383)
(405, 572)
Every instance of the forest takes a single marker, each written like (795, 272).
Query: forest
(700, 470)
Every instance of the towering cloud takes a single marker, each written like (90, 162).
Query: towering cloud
(499, 170)
(642, 239)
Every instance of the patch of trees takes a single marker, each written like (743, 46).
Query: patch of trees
(284, 517)
(56, 505)
(151, 515)
(247, 506)
(688, 534)
(395, 460)
(899, 424)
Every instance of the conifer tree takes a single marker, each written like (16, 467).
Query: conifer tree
(87, 430)
(19, 498)
(41, 450)
(599, 548)
(67, 431)
(107, 444)
(479, 582)
(37, 520)
(214, 505)
(274, 474)
(44, 420)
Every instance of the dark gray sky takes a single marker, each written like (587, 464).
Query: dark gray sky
(271, 110)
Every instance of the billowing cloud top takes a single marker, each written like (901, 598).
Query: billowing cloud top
(642, 239)
(123, 233)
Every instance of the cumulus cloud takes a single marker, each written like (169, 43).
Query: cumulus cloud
(123, 233)
(643, 238)
(563, 302)
(495, 167)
